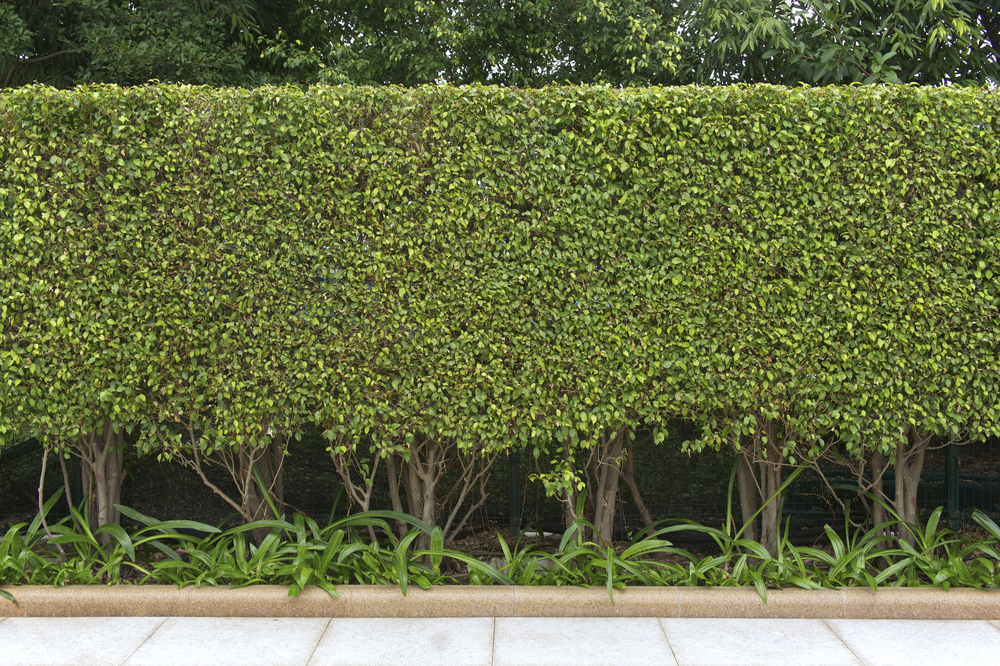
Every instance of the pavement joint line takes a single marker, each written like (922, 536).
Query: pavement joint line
(844, 643)
(493, 647)
(148, 636)
(319, 640)
(670, 645)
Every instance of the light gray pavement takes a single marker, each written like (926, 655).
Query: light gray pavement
(178, 641)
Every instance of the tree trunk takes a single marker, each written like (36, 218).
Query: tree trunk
(269, 463)
(770, 517)
(397, 504)
(770, 472)
(764, 452)
(606, 470)
(422, 472)
(420, 476)
(628, 472)
(908, 466)
(101, 461)
(747, 482)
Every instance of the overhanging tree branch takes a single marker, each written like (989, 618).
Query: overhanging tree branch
(32, 61)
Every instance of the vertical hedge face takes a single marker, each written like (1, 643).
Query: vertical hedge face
(499, 265)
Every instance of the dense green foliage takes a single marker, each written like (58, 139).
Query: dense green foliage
(842, 41)
(495, 267)
(523, 43)
(71, 42)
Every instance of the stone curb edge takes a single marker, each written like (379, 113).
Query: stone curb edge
(383, 601)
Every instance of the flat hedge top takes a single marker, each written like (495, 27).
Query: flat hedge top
(499, 265)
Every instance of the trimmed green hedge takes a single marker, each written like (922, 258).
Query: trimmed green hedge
(497, 265)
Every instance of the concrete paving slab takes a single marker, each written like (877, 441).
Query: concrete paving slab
(918, 642)
(235, 641)
(995, 623)
(406, 642)
(587, 641)
(77, 641)
(755, 642)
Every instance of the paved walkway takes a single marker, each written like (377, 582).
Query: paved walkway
(183, 641)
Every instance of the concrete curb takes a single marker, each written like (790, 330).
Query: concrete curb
(467, 601)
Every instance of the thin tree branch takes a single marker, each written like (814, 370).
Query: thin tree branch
(196, 466)
(32, 61)
(41, 504)
(66, 484)
(483, 495)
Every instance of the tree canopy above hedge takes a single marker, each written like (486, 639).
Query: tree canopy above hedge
(499, 265)
(523, 43)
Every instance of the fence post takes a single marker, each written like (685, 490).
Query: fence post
(951, 487)
(514, 465)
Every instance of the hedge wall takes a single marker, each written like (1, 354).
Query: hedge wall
(499, 266)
